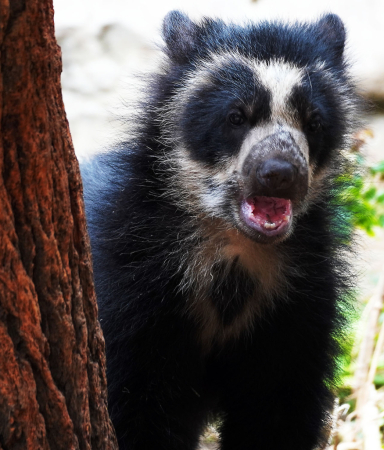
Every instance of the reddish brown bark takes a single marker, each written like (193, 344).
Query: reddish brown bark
(52, 361)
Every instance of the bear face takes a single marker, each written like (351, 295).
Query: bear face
(255, 120)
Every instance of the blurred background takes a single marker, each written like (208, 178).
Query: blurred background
(106, 44)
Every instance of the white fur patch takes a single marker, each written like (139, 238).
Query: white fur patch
(279, 78)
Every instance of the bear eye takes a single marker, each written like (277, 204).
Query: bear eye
(314, 125)
(236, 118)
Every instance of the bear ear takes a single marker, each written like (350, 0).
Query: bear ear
(332, 32)
(179, 34)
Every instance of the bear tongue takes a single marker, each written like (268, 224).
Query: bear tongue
(269, 212)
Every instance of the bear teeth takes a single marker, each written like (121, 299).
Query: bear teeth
(270, 225)
(273, 225)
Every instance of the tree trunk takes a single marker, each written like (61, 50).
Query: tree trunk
(52, 360)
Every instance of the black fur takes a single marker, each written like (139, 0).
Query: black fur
(271, 385)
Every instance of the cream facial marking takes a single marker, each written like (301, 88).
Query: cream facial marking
(279, 78)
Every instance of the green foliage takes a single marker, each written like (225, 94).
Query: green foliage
(363, 198)
(345, 361)
(360, 194)
(378, 168)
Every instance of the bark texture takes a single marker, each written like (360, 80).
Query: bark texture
(52, 360)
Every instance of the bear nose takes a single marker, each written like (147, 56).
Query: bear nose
(276, 174)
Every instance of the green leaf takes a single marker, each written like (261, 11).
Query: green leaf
(378, 168)
(370, 194)
(380, 198)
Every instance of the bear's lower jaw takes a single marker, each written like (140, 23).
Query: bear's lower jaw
(269, 216)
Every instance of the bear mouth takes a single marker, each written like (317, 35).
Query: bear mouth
(270, 216)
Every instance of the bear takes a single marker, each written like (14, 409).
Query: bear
(219, 241)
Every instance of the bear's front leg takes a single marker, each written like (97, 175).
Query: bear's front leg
(275, 391)
(157, 398)
(285, 419)
(165, 419)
